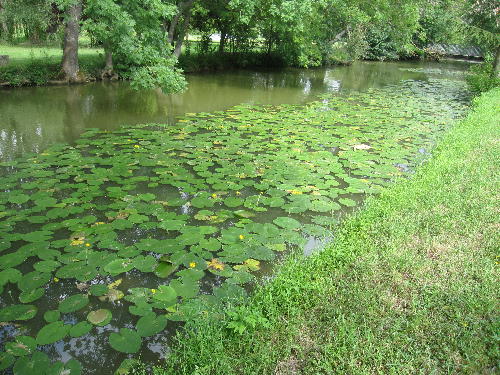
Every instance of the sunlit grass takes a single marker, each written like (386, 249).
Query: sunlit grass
(22, 54)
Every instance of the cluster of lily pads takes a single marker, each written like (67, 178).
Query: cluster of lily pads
(154, 223)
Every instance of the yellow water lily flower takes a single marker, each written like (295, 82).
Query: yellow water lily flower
(214, 195)
(153, 291)
(192, 264)
(136, 146)
(56, 280)
(87, 244)
(216, 264)
(241, 236)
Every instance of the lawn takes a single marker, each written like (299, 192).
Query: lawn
(23, 54)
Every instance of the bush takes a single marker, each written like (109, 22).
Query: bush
(481, 78)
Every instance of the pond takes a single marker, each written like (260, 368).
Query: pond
(113, 236)
(33, 118)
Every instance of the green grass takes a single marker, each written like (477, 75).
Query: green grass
(409, 286)
(24, 54)
(39, 65)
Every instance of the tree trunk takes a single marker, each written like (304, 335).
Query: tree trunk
(107, 72)
(171, 28)
(496, 63)
(222, 42)
(182, 33)
(71, 34)
(109, 59)
(5, 27)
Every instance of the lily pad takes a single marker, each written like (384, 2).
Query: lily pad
(51, 316)
(17, 312)
(287, 223)
(33, 280)
(164, 269)
(99, 317)
(52, 332)
(166, 294)
(6, 360)
(24, 345)
(37, 364)
(98, 290)
(119, 266)
(151, 324)
(73, 303)
(31, 295)
(127, 341)
(80, 329)
(233, 202)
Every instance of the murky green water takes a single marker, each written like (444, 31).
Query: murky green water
(130, 230)
(33, 118)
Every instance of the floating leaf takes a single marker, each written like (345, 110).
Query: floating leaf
(52, 332)
(17, 312)
(18, 198)
(6, 360)
(127, 366)
(32, 295)
(127, 341)
(347, 202)
(287, 223)
(164, 269)
(99, 317)
(202, 202)
(248, 265)
(233, 202)
(119, 266)
(37, 364)
(24, 345)
(73, 303)
(33, 280)
(98, 290)
(46, 265)
(80, 329)
(151, 324)
(165, 294)
(9, 275)
(51, 316)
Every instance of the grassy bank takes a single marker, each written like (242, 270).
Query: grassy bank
(39, 65)
(410, 284)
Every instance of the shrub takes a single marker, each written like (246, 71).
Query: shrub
(481, 78)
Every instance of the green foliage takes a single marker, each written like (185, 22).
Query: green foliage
(482, 78)
(241, 320)
(133, 34)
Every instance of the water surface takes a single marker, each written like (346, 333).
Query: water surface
(217, 192)
(32, 118)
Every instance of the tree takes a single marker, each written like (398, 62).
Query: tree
(136, 45)
(70, 64)
(485, 15)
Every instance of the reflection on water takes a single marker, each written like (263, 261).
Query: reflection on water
(33, 118)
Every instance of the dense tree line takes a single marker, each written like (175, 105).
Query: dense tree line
(143, 39)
